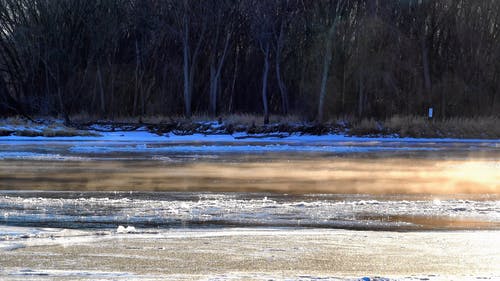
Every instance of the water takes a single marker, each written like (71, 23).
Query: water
(219, 207)
(383, 185)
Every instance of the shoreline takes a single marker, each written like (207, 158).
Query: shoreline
(143, 134)
(54, 129)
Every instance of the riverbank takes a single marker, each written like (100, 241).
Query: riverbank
(250, 126)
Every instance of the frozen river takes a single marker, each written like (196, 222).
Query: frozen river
(221, 209)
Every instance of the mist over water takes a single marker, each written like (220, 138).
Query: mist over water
(365, 173)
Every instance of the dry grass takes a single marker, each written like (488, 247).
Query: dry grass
(410, 126)
(233, 119)
(67, 132)
(5, 132)
(366, 127)
(60, 132)
(254, 119)
(13, 121)
(419, 127)
(83, 118)
(46, 127)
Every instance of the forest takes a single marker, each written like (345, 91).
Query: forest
(315, 59)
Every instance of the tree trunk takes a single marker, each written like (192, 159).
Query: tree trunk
(45, 107)
(328, 58)
(426, 70)
(101, 90)
(215, 74)
(326, 67)
(443, 105)
(233, 84)
(111, 90)
(213, 90)
(265, 75)
(187, 86)
(190, 61)
(361, 98)
(137, 65)
(62, 107)
(282, 87)
(281, 83)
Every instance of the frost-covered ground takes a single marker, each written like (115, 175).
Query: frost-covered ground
(251, 254)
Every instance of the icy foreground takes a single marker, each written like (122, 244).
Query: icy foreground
(255, 254)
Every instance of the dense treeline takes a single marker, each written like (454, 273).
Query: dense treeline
(321, 58)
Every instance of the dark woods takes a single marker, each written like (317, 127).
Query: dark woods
(317, 59)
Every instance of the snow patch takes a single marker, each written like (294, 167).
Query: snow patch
(142, 135)
(128, 229)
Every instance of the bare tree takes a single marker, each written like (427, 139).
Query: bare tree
(335, 9)
(140, 57)
(191, 23)
(284, 13)
(222, 31)
(261, 22)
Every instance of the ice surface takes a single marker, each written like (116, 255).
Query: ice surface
(141, 148)
(257, 253)
(25, 155)
(142, 135)
(35, 274)
(180, 209)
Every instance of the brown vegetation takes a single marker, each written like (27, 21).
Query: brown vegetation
(418, 127)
